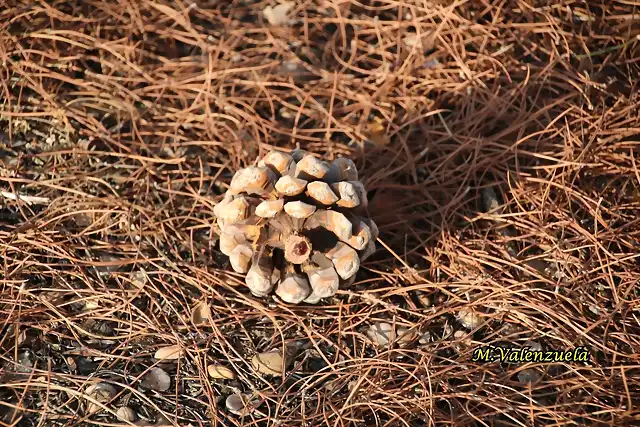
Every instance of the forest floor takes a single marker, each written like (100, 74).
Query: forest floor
(499, 142)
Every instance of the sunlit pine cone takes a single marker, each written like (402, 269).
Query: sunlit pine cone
(296, 224)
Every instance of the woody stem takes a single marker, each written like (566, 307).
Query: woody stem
(297, 249)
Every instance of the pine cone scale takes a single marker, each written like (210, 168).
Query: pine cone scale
(297, 224)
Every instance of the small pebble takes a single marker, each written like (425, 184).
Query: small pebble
(26, 359)
(459, 335)
(268, 363)
(469, 318)
(125, 413)
(277, 15)
(425, 338)
(101, 392)
(201, 313)
(528, 376)
(239, 404)
(594, 309)
(383, 333)
(533, 346)
(490, 200)
(425, 300)
(156, 379)
(220, 372)
(171, 352)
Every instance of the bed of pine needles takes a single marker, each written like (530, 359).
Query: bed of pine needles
(500, 145)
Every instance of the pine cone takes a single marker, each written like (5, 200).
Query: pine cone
(296, 224)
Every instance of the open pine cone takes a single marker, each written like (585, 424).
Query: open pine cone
(296, 224)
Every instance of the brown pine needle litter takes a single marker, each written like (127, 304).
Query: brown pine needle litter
(499, 142)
